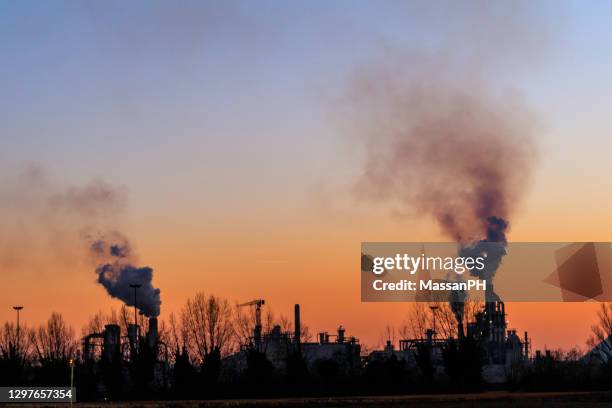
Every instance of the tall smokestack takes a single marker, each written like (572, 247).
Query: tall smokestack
(112, 336)
(297, 324)
(153, 335)
(457, 303)
(133, 330)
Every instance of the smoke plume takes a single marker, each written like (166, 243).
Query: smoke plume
(116, 272)
(492, 249)
(443, 130)
(441, 139)
(458, 155)
(42, 220)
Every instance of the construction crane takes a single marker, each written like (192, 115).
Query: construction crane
(258, 303)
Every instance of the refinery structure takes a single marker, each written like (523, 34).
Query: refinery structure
(122, 354)
(111, 344)
(279, 347)
(501, 349)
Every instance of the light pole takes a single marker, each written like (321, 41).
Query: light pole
(71, 361)
(433, 312)
(17, 309)
(135, 286)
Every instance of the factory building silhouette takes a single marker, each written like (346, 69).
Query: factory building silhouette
(500, 349)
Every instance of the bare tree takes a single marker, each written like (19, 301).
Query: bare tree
(388, 334)
(97, 322)
(244, 323)
(446, 322)
(15, 353)
(268, 320)
(175, 340)
(54, 341)
(601, 337)
(305, 334)
(421, 318)
(470, 309)
(415, 324)
(287, 326)
(573, 355)
(421, 315)
(206, 326)
(166, 340)
(125, 318)
(15, 344)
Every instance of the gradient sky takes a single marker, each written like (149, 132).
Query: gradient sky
(221, 121)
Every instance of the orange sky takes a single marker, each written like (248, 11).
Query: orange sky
(221, 124)
(303, 260)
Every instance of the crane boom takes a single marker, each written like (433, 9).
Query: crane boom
(257, 303)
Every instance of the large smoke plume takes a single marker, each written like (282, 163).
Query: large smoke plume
(457, 154)
(441, 139)
(444, 149)
(116, 272)
(451, 151)
(43, 222)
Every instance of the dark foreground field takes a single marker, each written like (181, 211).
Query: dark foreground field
(490, 399)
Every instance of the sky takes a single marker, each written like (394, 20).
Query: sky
(224, 124)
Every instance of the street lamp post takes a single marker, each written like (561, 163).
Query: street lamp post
(135, 286)
(71, 379)
(17, 309)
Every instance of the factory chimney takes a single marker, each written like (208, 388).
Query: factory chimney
(133, 335)
(340, 337)
(430, 335)
(112, 336)
(153, 335)
(461, 332)
(297, 325)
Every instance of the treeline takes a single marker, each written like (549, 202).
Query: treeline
(38, 356)
(209, 332)
(192, 345)
(572, 370)
(563, 371)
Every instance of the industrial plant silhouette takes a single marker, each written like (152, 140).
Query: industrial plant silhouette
(216, 350)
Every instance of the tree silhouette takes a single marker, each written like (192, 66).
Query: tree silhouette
(601, 341)
(15, 353)
(54, 346)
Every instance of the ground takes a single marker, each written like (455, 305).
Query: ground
(489, 399)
